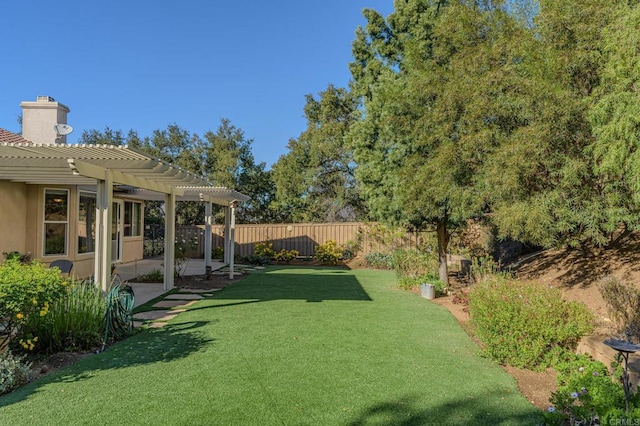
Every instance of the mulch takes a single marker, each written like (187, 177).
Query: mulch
(200, 282)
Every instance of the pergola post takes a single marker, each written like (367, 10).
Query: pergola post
(227, 224)
(169, 240)
(208, 219)
(104, 213)
(232, 236)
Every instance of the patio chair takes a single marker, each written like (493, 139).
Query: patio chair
(64, 265)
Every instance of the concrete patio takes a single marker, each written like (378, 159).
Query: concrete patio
(147, 291)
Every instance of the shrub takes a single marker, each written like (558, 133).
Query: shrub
(26, 291)
(585, 392)
(217, 253)
(379, 260)
(525, 324)
(329, 252)
(351, 248)
(74, 322)
(286, 256)
(623, 303)
(153, 276)
(264, 249)
(186, 247)
(14, 372)
(484, 268)
(414, 267)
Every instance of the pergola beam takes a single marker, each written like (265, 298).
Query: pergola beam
(97, 172)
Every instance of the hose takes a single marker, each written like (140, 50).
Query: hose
(119, 320)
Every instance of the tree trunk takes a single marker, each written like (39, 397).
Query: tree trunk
(443, 244)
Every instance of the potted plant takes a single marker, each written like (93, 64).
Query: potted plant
(430, 286)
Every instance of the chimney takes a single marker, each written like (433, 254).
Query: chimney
(39, 119)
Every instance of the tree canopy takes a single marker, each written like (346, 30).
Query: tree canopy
(224, 157)
(315, 179)
(476, 109)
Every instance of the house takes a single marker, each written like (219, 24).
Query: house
(85, 203)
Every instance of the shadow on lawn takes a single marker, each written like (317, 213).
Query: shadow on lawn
(166, 344)
(295, 283)
(485, 410)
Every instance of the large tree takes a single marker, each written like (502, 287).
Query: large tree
(315, 179)
(471, 110)
(427, 77)
(230, 163)
(615, 117)
(545, 191)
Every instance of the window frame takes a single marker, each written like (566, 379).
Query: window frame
(86, 194)
(131, 221)
(45, 222)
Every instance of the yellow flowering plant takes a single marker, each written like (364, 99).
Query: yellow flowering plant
(25, 290)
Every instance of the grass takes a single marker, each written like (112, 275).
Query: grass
(286, 346)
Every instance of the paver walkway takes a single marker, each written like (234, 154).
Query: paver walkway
(173, 303)
(168, 308)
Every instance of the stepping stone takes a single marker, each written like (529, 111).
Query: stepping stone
(164, 315)
(156, 324)
(259, 267)
(192, 290)
(173, 304)
(183, 296)
(137, 324)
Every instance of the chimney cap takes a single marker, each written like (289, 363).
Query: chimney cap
(45, 99)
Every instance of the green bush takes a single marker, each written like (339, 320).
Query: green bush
(264, 249)
(26, 291)
(255, 260)
(414, 267)
(14, 372)
(525, 324)
(286, 256)
(153, 276)
(585, 392)
(329, 252)
(75, 322)
(379, 260)
(217, 253)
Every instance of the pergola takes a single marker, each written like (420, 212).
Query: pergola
(104, 166)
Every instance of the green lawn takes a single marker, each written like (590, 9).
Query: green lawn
(286, 346)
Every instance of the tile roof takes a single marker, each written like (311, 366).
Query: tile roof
(9, 137)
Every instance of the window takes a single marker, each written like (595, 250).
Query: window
(132, 219)
(86, 222)
(56, 221)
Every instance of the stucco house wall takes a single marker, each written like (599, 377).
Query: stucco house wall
(22, 226)
(13, 217)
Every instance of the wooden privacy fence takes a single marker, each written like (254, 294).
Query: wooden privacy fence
(303, 237)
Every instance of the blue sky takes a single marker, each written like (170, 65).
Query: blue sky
(145, 64)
